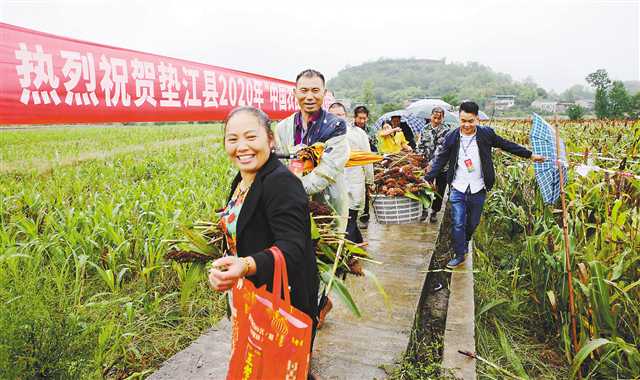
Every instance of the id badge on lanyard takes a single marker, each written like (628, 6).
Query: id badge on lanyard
(469, 164)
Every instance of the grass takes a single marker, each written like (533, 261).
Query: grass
(84, 288)
(422, 362)
(63, 143)
(507, 332)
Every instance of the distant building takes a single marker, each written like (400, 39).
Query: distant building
(503, 102)
(562, 106)
(552, 106)
(585, 103)
(545, 105)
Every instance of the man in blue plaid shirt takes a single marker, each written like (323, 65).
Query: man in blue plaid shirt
(431, 141)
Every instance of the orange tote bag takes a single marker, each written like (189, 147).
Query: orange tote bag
(271, 339)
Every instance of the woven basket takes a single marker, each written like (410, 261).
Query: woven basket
(396, 210)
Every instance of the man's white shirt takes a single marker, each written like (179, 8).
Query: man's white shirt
(464, 179)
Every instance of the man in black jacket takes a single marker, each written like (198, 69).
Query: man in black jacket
(467, 150)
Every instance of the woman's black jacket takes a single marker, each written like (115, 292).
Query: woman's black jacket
(276, 212)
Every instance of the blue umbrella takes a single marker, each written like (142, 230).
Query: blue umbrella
(416, 124)
(543, 140)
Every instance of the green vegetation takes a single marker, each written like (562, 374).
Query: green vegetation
(613, 101)
(86, 292)
(575, 112)
(574, 93)
(421, 362)
(84, 287)
(523, 321)
(397, 80)
(61, 143)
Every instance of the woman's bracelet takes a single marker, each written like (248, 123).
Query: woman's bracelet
(247, 265)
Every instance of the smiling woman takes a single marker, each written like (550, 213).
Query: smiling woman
(248, 140)
(267, 207)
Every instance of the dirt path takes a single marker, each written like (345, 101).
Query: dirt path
(43, 166)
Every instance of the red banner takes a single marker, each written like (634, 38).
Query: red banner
(46, 79)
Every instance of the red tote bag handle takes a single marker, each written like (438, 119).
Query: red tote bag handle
(280, 279)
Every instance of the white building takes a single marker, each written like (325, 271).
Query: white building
(545, 105)
(585, 103)
(503, 102)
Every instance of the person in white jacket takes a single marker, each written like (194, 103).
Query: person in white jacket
(325, 183)
(357, 177)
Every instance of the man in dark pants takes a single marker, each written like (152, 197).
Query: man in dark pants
(431, 142)
(467, 150)
(360, 119)
(358, 178)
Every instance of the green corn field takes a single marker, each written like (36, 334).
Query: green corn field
(84, 287)
(523, 321)
(87, 214)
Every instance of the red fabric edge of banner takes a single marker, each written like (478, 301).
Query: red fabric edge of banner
(45, 34)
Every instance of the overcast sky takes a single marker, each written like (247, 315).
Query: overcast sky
(557, 43)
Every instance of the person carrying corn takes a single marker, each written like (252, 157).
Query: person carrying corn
(311, 125)
(358, 177)
(325, 182)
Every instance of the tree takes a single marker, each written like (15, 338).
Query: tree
(526, 95)
(619, 101)
(601, 104)
(634, 111)
(575, 92)
(398, 80)
(601, 82)
(451, 99)
(575, 112)
(368, 96)
(542, 93)
(599, 79)
(388, 107)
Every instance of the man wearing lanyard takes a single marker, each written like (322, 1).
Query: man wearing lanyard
(325, 183)
(467, 150)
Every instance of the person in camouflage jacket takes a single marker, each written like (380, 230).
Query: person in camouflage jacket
(431, 141)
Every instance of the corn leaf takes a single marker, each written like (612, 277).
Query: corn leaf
(340, 290)
(372, 277)
(584, 352)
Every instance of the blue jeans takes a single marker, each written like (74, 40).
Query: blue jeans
(466, 209)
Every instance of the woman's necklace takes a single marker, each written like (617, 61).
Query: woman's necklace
(244, 186)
